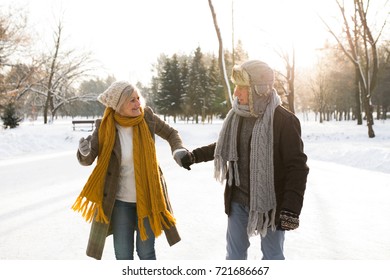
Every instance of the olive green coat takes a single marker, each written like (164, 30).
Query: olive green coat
(99, 231)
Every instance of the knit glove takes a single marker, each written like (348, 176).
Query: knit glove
(178, 155)
(288, 220)
(188, 160)
(85, 146)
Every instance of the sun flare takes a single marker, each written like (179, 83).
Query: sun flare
(270, 29)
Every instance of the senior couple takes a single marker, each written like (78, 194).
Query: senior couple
(258, 155)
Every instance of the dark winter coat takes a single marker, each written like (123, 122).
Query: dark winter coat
(99, 231)
(290, 169)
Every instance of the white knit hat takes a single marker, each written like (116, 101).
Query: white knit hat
(111, 96)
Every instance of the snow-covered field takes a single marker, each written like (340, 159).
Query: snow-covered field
(346, 213)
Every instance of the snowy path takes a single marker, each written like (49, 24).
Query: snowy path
(345, 214)
(35, 217)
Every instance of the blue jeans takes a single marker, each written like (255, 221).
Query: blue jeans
(238, 239)
(124, 225)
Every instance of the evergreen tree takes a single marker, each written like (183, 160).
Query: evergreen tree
(191, 85)
(151, 99)
(197, 92)
(162, 98)
(240, 55)
(10, 117)
(215, 100)
(184, 71)
(174, 88)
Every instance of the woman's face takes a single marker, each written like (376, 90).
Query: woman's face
(131, 108)
(242, 93)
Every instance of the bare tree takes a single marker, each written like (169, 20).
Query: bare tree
(50, 91)
(221, 58)
(56, 77)
(319, 85)
(13, 42)
(289, 78)
(361, 49)
(13, 37)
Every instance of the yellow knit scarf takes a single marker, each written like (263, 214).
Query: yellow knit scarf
(150, 198)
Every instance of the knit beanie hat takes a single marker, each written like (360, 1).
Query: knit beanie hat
(260, 78)
(111, 96)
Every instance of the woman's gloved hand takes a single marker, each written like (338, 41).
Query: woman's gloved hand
(184, 158)
(85, 146)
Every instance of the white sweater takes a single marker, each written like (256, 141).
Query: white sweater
(126, 189)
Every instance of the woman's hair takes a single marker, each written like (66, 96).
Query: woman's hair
(126, 96)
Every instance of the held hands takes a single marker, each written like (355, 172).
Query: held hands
(183, 158)
(85, 146)
(288, 220)
(188, 160)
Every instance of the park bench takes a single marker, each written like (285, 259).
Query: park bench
(89, 123)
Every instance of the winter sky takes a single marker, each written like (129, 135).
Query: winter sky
(127, 36)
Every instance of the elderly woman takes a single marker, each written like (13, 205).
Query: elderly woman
(126, 192)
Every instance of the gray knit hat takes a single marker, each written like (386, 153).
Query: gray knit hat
(111, 96)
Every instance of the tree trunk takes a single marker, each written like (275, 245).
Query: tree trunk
(358, 106)
(291, 103)
(378, 112)
(290, 88)
(369, 115)
(366, 63)
(221, 59)
(49, 97)
(290, 82)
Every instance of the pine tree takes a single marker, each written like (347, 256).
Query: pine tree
(197, 91)
(10, 118)
(172, 88)
(163, 91)
(215, 99)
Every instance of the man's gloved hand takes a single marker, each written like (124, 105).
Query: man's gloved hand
(85, 146)
(188, 160)
(178, 155)
(288, 220)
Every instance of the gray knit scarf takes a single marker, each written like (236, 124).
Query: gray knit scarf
(262, 206)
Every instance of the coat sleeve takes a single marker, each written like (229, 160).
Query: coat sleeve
(293, 160)
(164, 130)
(205, 153)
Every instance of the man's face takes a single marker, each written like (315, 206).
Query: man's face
(242, 93)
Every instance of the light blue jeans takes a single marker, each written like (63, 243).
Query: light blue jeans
(124, 225)
(238, 240)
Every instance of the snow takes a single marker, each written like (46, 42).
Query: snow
(346, 213)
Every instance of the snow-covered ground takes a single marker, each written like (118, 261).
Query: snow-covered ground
(346, 213)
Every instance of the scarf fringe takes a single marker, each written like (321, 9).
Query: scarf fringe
(220, 169)
(157, 222)
(88, 209)
(260, 223)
